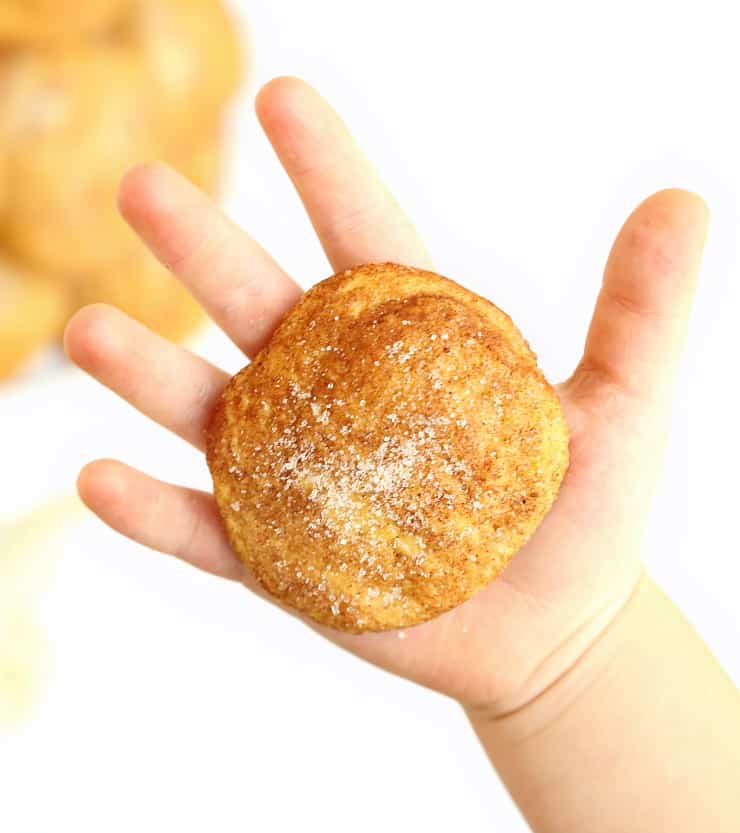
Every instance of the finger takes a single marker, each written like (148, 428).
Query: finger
(353, 213)
(237, 282)
(171, 519)
(641, 316)
(165, 382)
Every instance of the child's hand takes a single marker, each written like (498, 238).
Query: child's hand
(627, 727)
(505, 646)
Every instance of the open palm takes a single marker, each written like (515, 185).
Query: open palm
(512, 640)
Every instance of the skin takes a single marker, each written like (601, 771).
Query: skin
(539, 634)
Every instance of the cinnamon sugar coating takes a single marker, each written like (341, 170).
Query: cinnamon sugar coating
(388, 452)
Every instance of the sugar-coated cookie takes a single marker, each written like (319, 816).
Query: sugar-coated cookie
(32, 313)
(193, 55)
(71, 123)
(388, 452)
(145, 290)
(48, 21)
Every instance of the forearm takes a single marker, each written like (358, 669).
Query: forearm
(643, 734)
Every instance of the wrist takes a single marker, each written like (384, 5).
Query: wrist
(641, 734)
(568, 666)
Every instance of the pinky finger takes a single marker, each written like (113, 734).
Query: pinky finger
(171, 519)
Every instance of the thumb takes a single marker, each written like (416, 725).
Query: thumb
(639, 324)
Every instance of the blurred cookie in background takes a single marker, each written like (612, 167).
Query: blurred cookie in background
(88, 89)
(24, 666)
(142, 288)
(71, 123)
(32, 313)
(138, 284)
(28, 557)
(202, 160)
(44, 21)
(193, 54)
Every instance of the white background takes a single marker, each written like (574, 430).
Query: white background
(519, 136)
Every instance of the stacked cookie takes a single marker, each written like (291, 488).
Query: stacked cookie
(89, 88)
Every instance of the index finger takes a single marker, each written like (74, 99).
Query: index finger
(238, 283)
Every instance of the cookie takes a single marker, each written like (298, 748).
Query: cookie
(201, 160)
(49, 21)
(145, 290)
(24, 666)
(72, 122)
(32, 313)
(388, 452)
(193, 55)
